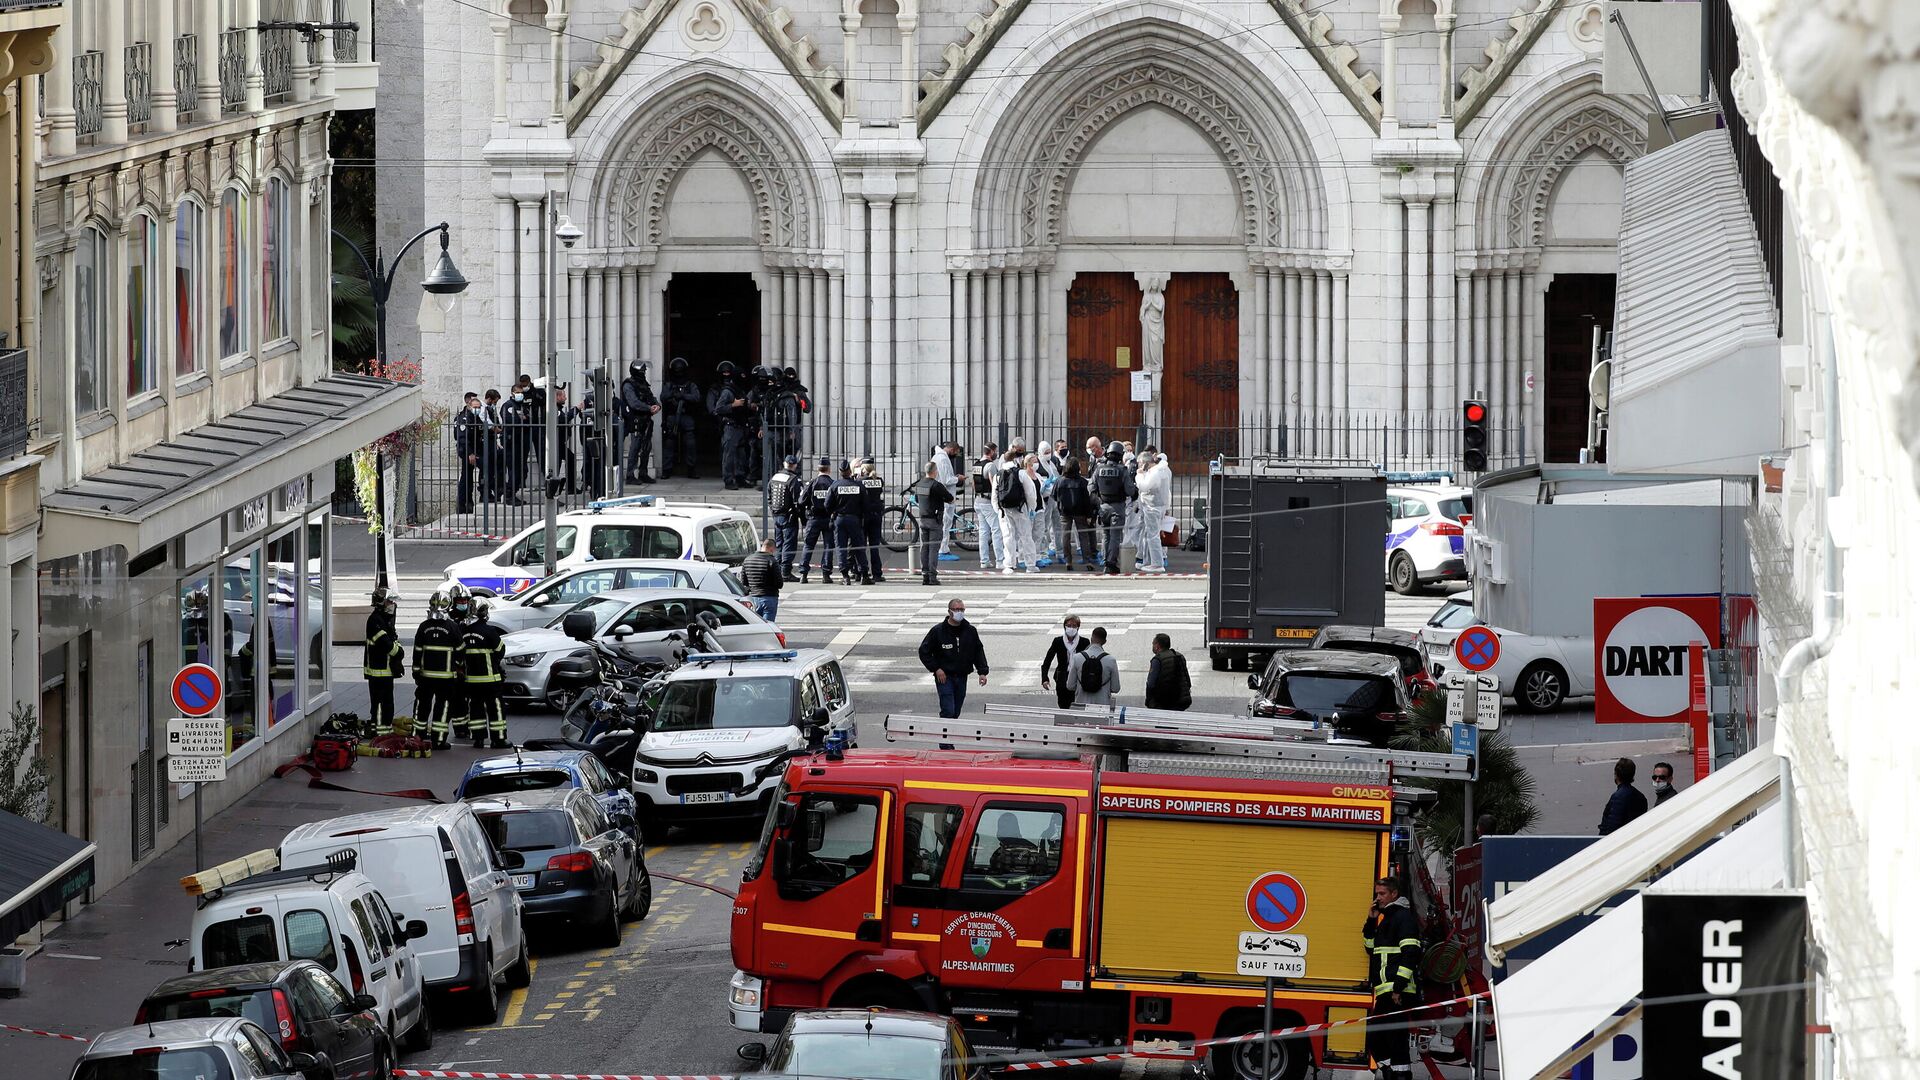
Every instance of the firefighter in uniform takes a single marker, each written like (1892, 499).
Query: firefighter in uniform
(843, 505)
(819, 524)
(1392, 937)
(786, 502)
(436, 672)
(873, 508)
(483, 648)
(383, 662)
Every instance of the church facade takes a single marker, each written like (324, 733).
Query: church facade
(1289, 213)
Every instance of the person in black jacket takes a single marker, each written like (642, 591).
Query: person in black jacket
(930, 500)
(760, 576)
(728, 404)
(566, 418)
(844, 500)
(786, 501)
(1076, 516)
(680, 402)
(638, 406)
(384, 662)
(819, 524)
(1114, 488)
(1626, 804)
(873, 510)
(1168, 684)
(950, 652)
(1391, 934)
(1056, 670)
(470, 439)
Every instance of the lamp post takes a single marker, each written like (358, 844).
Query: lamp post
(569, 234)
(443, 283)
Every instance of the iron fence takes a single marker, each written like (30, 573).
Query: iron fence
(186, 74)
(346, 43)
(139, 85)
(14, 427)
(233, 70)
(276, 64)
(89, 72)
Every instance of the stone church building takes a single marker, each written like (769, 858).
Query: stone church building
(1287, 212)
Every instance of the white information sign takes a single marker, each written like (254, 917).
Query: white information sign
(1142, 386)
(1486, 695)
(197, 736)
(196, 770)
(1261, 943)
(1274, 967)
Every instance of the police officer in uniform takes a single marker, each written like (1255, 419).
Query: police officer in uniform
(638, 405)
(786, 501)
(483, 648)
(819, 524)
(873, 508)
(436, 671)
(728, 404)
(843, 504)
(1113, 488)
(679, 399)
(593, 446)
(384, 662)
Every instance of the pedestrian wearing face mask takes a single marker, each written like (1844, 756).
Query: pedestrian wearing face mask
(1663, 788)
(951, 651)
(1056, 671)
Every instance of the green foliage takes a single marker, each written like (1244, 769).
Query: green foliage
(354, 321)
(23, 772)
(1505, 789)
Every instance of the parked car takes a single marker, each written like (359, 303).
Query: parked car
(1402, 645)
(437, 861)
(329, 913)
(1539, 672)
(637, 623)
(1362, 695)
(581, 866)
(721, 724)
(1427, 540)
(225, 1048)
(535, 770)
(542, 604)
(636, 527)
(297, 1002)
(866, 1044)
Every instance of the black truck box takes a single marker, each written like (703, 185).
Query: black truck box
(1292, 548)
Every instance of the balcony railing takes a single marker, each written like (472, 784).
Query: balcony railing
(139, 85)
(233, 70)
(346, 43)
(186, 74)
(276, 63)
(89, 68)
(13, 402)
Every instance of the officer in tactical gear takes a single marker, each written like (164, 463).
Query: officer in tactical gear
(786, 502)
(873, 508)
(819, 524)
(436, 671)
(728, 404)
(1113, 489)
(679, 404)
(593, 446)
(384, 662)
(483, 649)
(843, 505)
(638, 407)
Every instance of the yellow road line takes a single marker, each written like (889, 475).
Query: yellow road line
(517, 1000)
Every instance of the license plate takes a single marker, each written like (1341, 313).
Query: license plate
(523, 881)
(1293, 632)
(699, 798)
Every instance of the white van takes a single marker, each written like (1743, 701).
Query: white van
(636, 527)
(332, 915)
(436, 864)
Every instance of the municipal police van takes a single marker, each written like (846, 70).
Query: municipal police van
(637, 527)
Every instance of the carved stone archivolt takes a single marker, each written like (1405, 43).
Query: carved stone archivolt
(1593, 128)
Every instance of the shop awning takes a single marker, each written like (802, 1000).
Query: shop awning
(1547, 1009)
(163, 491)
(1694, 319)
(40, 869)
(1653, 843)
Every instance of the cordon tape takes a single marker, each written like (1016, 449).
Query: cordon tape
(43, 1034)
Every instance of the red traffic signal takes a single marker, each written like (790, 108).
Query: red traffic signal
(1473, 435)
(1476, 412)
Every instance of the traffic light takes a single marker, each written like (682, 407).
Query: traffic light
(1473, 435)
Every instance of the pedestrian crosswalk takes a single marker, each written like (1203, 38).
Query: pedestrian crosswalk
(908, 610)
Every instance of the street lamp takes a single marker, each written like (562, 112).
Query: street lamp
(443, 283)
(569, 234)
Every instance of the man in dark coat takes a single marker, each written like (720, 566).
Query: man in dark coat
(638, 407)
(679, 404)
(950, 652)
(1056, 669)
(1168, 685)
(1627, 802)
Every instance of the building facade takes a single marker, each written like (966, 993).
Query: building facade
(1282, 212)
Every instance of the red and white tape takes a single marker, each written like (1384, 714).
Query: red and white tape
(546, 1076)
(43, 1034)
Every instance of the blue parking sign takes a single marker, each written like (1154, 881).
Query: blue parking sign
(1466, 740)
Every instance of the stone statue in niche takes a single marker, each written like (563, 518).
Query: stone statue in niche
(1153, 323)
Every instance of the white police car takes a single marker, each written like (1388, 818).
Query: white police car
(637, 527)
(1427, 541)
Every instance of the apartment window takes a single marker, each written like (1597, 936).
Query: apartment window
(274, 268)
(89, 322)
(189, 244)
(233, 236)
(143, 265)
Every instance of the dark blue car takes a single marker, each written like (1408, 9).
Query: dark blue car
(534, 770)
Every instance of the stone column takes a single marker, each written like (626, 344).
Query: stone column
(256, 76)
(850, 70)
(164, 115)
(531, 229)
(1389, 72)
(1342, 387)
(995, 356)
(1419, 368)
(653, 308)
(206, 27)
(1520, 321)
(802, 307)
(576, 335)
(909, 22)
(962, 362)
(58, 84)
(1297, 399)
(323, 77)
(500, 28)
(814, 374)
(837, 317)
(113, 78)
(506, 275)
(630, 306)
(1482, 366)
(978, 333)
(1030, 348)
(594, 350)
(1500, 340)
(1323, 351)
(1254, 362)
(857, 371)
(1394, 283)
(1273, 380)
(644, 347)
(1444, 304)
(790, 322)
(557, 53)
(880, 349)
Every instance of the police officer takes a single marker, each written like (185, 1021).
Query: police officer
(593, 446)
(873, 508)
(1391, 935)
(679, 402)
(1113, 489)
(786, 501)
(384, 662)
(436, 671)
(843, 504)
(728, 404)
(566, 419)
(819, 524)
(483, 648)
(638, 406)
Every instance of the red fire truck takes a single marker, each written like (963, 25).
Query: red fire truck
(1093, 885)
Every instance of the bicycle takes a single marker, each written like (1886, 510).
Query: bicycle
(899, 529)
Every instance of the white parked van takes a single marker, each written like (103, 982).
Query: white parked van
(330, 914)
(436, 864)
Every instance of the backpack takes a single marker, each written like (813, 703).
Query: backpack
(1013, 493)
(337, 743)
(1093, 674)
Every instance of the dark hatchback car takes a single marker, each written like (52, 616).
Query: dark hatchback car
(1361, 695)
(1402, 645)
(299, 1004)
(581, 866)
(866, 1044)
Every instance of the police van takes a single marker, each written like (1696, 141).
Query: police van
(636, 527)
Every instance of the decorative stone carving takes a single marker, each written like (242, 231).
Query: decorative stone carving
(707, 27)
(1553, 153)
(962, 57)
(1503, 55)
(1153, 321)
(709, 119)
(1587, 26)
(1336, 58)
(49, 272)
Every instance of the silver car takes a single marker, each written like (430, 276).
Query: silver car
(543, 603)
(216, 1048)
(638, 623)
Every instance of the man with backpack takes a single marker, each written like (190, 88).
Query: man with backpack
(1056, 669)
(1096, 674)
(1014, 496)
(1114, 488)
(1168, 685)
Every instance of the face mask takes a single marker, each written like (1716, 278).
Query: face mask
(1662, 785)
(957, 616)
(519, 397)
(1072, 632)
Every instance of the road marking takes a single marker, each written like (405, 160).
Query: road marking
(844, 641)
(517, 999)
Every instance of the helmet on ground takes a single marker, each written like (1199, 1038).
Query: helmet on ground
(677, 365)
(725, 369)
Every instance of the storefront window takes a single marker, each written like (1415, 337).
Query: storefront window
(285, 574)
(241, 602)
(316, 606)
(197, 630)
